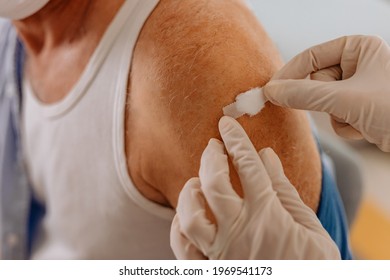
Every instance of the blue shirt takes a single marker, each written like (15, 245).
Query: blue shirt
(14, 190)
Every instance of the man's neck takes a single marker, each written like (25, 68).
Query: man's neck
(64, 21)
(59, 41)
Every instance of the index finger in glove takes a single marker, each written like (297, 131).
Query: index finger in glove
(253, 177)
(218, 191)
(308, 95)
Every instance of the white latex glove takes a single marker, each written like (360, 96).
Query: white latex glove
(349, 79)
(270, 222)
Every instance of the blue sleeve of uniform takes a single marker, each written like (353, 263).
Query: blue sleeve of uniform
(331, 213)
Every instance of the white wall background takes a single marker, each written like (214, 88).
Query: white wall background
(295, 25)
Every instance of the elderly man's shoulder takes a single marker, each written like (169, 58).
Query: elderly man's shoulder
(194, 14)
(201, 22)
(191, 59)
(205, 37)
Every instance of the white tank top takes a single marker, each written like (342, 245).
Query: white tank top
(75, 155)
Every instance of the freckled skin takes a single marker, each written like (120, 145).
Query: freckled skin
(191, 59)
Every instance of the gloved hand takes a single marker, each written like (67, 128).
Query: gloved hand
(269, 222)
(349, 79)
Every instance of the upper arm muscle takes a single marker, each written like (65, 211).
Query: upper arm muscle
(192, 58)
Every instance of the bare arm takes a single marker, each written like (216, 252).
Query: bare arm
(192, 58)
